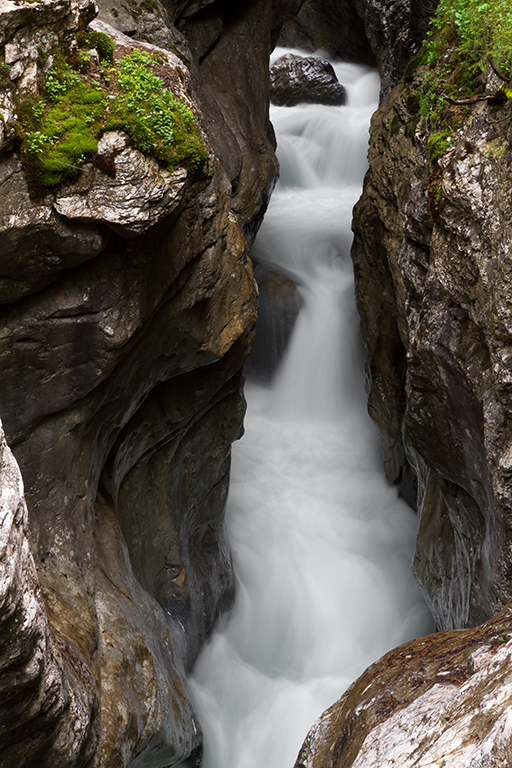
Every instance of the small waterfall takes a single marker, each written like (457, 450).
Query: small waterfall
(321, 544)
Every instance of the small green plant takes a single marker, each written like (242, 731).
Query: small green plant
(155, 120)
(59, 130)
(466, 40)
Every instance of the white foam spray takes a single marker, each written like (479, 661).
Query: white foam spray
(321, 544)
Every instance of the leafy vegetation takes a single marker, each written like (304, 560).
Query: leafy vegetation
(466, 39)
(83, 97)
(153, 118)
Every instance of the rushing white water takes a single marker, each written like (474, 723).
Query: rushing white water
(321, 544)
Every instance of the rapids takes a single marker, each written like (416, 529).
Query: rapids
(321, 543)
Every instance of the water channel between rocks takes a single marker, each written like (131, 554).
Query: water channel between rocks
(321, 544)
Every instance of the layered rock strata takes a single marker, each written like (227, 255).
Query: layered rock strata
(128, 308)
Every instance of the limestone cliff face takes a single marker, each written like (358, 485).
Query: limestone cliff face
(128, 307)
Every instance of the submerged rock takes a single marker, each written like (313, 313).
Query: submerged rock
(279, 307)
(296, 79)
(441, 700)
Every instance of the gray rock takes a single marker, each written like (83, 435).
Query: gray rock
(296, 79)
(334, 27)
(431, 256)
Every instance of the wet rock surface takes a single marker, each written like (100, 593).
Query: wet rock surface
(442, 700)
(431, 255)
(279, 305)
(334, 27)
(383, 33)
(297, 80)
(128, 308)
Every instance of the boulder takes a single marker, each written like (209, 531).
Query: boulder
(442, 700)
(296, 80)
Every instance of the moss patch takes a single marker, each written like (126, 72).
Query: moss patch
(82, 98)
(438, 143)
(100, 41)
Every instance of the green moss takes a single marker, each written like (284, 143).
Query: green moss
(5, 74)
(395, 122)
(59, 130)
(438, 143)
(155, 120)
(100, 41)
(495, 149)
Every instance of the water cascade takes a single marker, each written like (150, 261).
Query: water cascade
(321, 544)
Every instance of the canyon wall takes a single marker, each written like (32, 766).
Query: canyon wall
(128, 308)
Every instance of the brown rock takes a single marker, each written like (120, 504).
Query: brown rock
(441, 700)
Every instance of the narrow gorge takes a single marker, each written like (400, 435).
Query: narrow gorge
(128, 309)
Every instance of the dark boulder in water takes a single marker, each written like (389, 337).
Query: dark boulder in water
(297, 79)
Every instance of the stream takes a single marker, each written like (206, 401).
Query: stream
(322, 545)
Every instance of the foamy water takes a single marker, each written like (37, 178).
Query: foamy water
(321, 543)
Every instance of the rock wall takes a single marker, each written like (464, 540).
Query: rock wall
(431, 256)
(443, 700)
(383, 33)
(128, 308)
